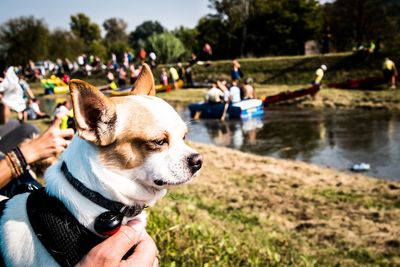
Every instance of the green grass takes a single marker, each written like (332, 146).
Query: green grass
(202, 235)
(295, 69)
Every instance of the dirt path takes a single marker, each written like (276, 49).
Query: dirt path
(336, 216)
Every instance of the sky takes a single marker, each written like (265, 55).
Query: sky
(56, 13)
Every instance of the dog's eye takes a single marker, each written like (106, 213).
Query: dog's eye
(160, 142)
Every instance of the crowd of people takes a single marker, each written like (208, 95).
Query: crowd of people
(86, 65)
(233, 92)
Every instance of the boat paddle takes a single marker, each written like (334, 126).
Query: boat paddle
(225, 111)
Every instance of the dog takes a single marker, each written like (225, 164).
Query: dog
(127, 150)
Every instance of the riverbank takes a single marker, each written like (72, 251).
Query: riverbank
(247, 210)
(325, 98)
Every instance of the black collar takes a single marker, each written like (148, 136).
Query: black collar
(128, 211)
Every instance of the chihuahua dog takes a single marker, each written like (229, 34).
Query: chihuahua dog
(128, 150)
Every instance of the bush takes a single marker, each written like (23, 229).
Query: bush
(167, 47)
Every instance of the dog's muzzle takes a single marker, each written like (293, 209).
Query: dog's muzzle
(195, 161)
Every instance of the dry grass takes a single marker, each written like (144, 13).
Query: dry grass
(246, 210)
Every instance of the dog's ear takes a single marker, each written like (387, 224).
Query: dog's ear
(95, 114)
(144, 85)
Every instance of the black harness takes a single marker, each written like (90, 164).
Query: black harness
(2, 207)
(24, 183)
(59, 231)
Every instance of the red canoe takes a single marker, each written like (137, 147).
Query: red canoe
(290, 95)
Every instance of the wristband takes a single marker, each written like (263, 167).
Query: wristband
(21, 158)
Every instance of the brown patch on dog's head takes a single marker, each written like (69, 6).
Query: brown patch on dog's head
(95, 114)
(126, 151)
(144, 85)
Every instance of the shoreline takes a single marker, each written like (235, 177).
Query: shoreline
(325, 98)
(284, 211)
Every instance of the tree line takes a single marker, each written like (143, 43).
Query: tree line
(236, 28)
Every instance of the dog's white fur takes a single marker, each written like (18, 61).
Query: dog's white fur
(19, 244)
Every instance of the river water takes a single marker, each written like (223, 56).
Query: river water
(333, 138)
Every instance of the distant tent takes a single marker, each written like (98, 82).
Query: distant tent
(311, 47)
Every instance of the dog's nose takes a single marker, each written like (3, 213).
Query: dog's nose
(195, 161)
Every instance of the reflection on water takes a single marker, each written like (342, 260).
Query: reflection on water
(333, 138)
(337, 139)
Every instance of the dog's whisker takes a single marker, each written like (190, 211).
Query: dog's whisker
(188, 122)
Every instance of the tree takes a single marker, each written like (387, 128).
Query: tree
(282, 26)
(83, 28)
(137, 38)
(213, 30)
(260, 27)
(237, 12)
(23, 39)
(63, 44)
(167, 47)
(97, 48)
(115, 30)
(353, 23)
(189, 38)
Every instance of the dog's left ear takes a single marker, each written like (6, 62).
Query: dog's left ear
(144, 85)
(95, 114)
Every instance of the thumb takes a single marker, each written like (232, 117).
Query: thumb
(56, 123)
(127, 236)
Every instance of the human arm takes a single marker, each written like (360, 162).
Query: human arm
(5, 173)
(30, 93)
(50, 143)
(111, 251)
(4, 112)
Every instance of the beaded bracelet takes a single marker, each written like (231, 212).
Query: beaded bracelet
(12, 161)
(17, 162)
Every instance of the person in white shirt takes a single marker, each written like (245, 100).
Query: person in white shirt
(34, 111)
(214, 95)
(61, 109)
(234, 91)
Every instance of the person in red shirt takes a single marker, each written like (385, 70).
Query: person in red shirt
(142, 55)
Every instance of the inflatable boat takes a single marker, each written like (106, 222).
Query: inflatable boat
(244, 109)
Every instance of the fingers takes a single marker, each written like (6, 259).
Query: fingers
(145, 253)
(111, 251)
(67, 133)
(126, 237)
(155, 263)
(56, 123)
(60, 144)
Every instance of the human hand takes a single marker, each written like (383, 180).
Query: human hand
(52, 142)
(111, 251)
